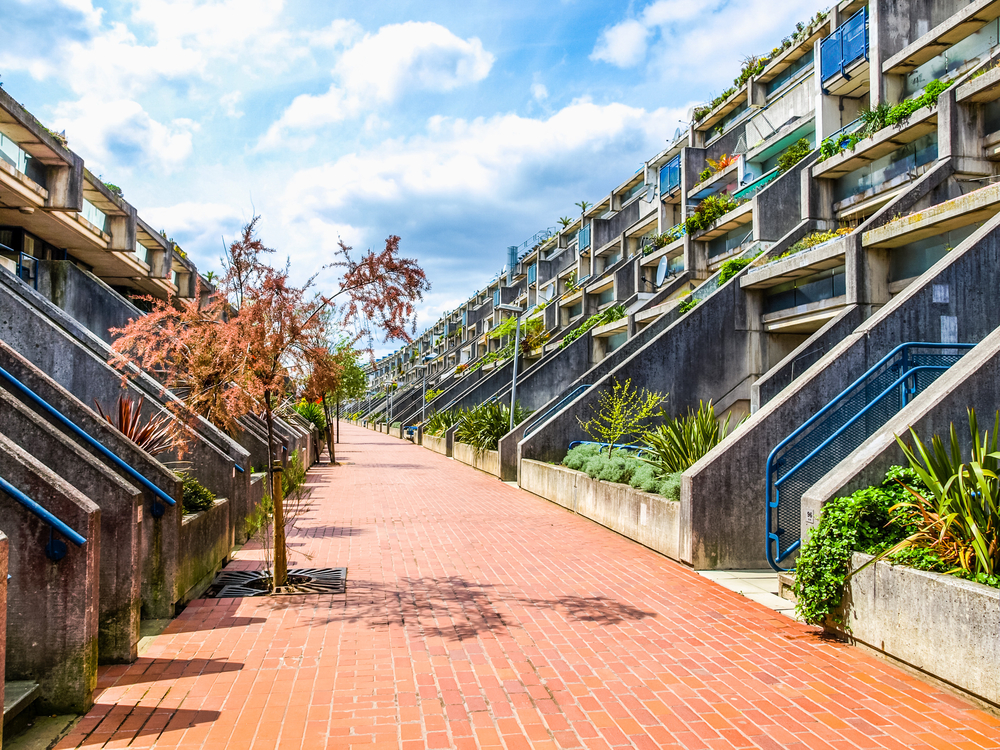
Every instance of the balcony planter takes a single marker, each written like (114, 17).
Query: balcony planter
(649, 519)
(942, 625)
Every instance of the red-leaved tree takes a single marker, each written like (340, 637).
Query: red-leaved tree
(235, 352)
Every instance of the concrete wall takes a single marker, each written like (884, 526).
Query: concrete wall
(84, 297)
(436, 444)
(52, 607)
(4, 552)
(944, 626)
(488, 461)
(159, 533)
(121, 514)
(723, 494)
(649, 519)
(205, 546)
(973, 382)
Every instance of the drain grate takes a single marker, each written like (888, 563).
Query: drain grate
(239, 583)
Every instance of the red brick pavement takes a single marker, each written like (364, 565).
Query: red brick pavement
(478, 615)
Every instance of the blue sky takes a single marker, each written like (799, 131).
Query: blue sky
(463, 127)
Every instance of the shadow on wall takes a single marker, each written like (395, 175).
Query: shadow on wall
(473, 608)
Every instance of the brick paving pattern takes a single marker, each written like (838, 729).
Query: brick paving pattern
(480, 616)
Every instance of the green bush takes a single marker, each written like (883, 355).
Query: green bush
(680, 442)
(794, 154)
(622, 467)
(294, 475)
(483, 426)
(862, 522)
(687, 305)
(197, 497)
(613, 313)
(313, 412)
(732, 267)
(709, 210)
(440, 422)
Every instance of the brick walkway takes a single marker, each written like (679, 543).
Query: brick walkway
(478, 615)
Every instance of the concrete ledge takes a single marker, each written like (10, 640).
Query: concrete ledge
(649, 519)
(436, 444)
(944, 626)
(488, 461)
(205, 544)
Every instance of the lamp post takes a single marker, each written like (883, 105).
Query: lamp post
(517, 350)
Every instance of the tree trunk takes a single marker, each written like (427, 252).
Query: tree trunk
(275, 475)
(329, 432)
(338, 420)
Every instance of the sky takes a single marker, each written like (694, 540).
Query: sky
(462, 126)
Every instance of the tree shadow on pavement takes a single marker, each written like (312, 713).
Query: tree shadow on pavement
(456, 609)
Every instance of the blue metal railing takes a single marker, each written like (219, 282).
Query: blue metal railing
(562, 402)
(670, 176)
(637, 449)
(840, 427)
(55, 549)
(846, 45)
(42, 404)
(757, 185)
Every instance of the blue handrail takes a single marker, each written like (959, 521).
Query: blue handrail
(91, 442)
(823, 448)
(56, 523)
(562, 402)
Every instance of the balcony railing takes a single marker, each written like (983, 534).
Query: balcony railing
(25, 266)
(584, 238)
(757, 185)
(845, 46)
(670, 176)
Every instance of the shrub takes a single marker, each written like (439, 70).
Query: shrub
(709, 210)
(294, 475)
(621, 412)
(794, 154)
(812, 240)
(861, 522)
(732, 267)
(440, 422)
(613, 313)
(670, 487)
(196, 496)
(433, 394)
(483, 426)
(623, 467)
(152, 435)
(313, 412)
(677, 444)
(687, 305)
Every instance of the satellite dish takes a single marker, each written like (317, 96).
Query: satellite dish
(661, 270)
(650, 192)
(546, 293)
(677, 133)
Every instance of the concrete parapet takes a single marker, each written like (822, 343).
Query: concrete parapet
(941, 625)
(52, 607)
(159, 533)
(487, 461)
(649, 519)
(121, 514)
(205, 545)
(436, 444)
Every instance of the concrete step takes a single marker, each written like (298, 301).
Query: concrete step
(786, 582)
(17, 696)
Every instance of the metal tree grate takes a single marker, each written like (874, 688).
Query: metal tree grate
(240, 583)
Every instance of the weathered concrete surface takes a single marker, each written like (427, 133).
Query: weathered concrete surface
(436, 444)
(488, 461)
(973, 382)
(85, 298)
(724, 491)
(159, 534)
(644, 517)
(52, 611)
(942, 625)
(4, 553)
(121, 512)
(206, 543)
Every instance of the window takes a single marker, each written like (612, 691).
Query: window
(819, 286)
(94, 215)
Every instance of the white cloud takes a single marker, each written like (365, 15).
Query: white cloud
(623, 44)
(231, 103)
(381, 68)
(539, 92)
(341, 33)
(120, 133)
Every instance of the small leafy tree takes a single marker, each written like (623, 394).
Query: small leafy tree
(621, 412)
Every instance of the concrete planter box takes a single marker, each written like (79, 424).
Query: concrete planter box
(436, 444)
(942, 625)
(205, 544)
(649, 519)
(488, 461)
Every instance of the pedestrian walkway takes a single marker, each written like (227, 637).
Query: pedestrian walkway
(480, 616)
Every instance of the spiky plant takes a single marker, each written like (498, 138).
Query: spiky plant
(152, 435)
(678, 443)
